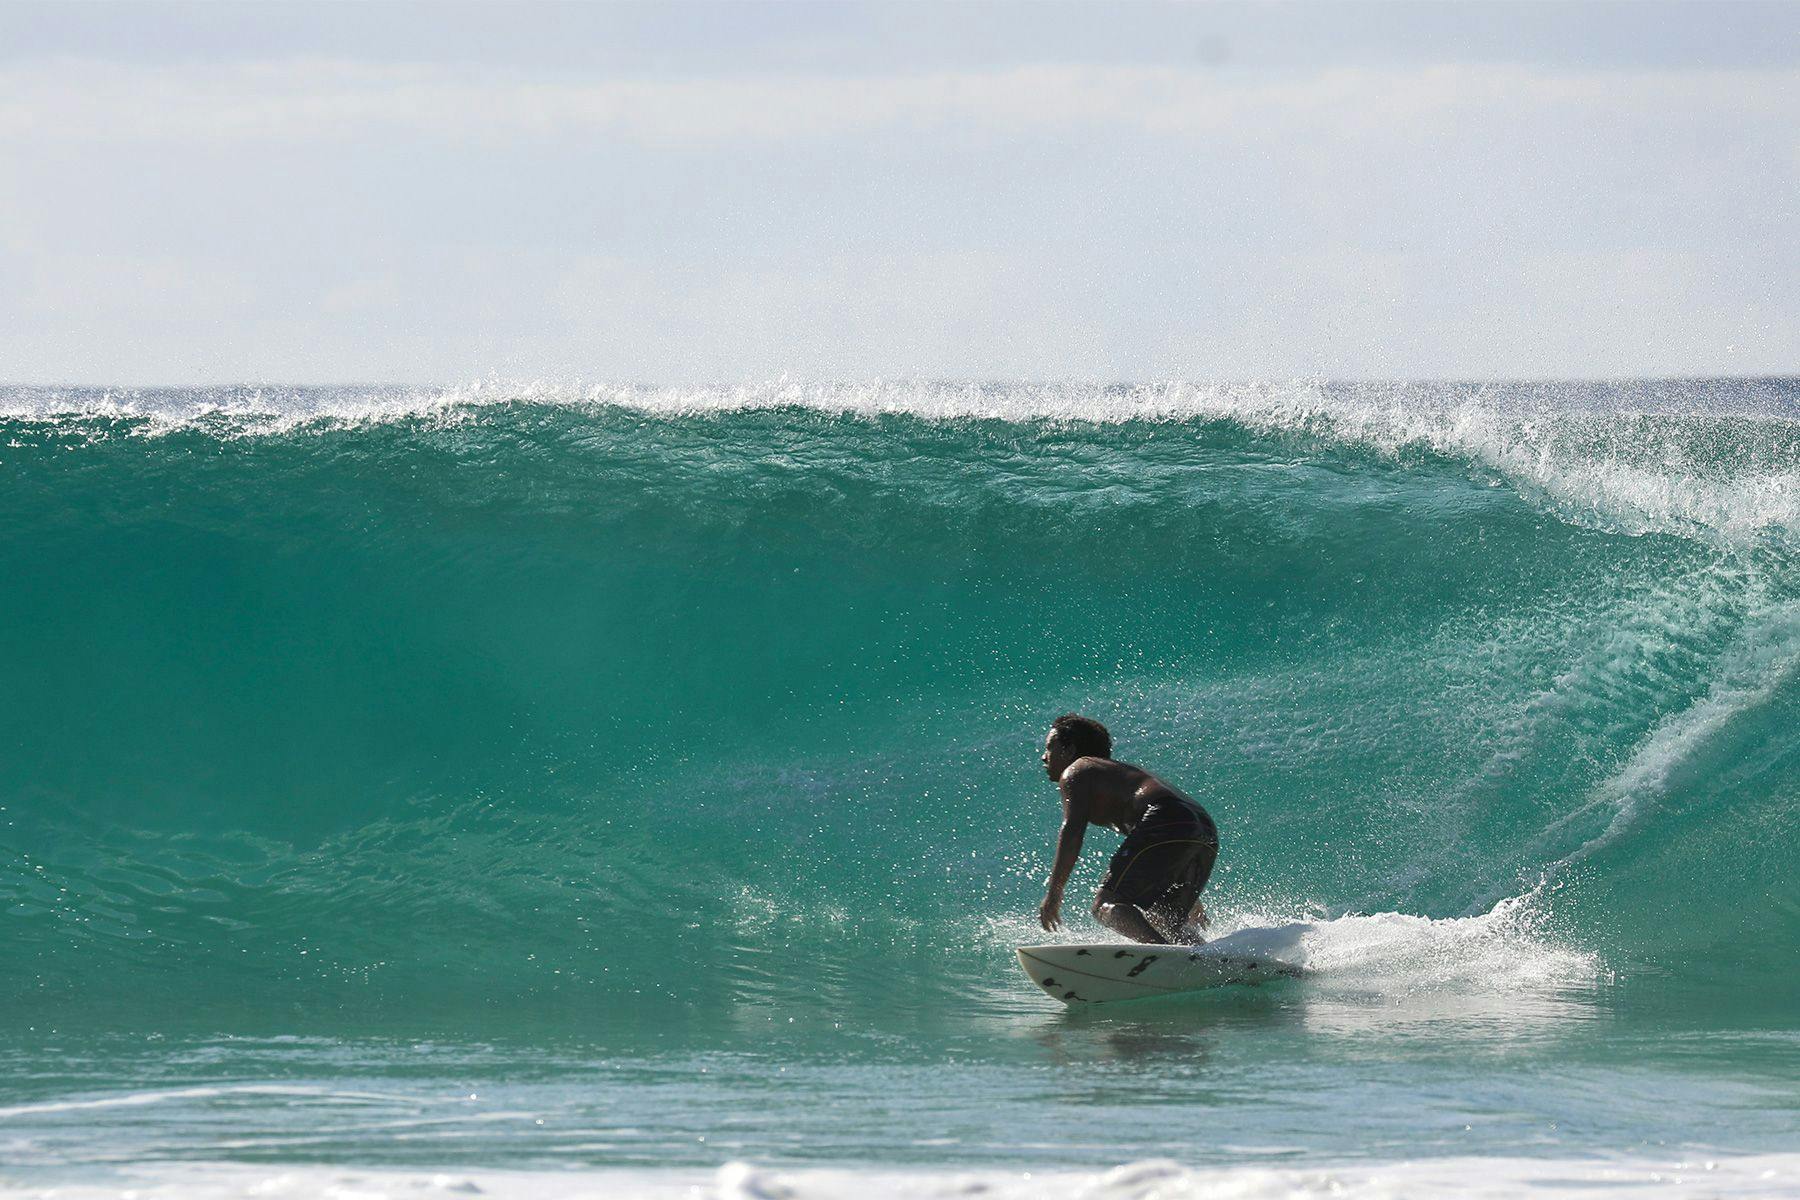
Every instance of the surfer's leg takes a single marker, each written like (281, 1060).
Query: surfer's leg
(1170, 918)
(1153, 882)
(1124, 918)
(1191, 932)
(1181, 911)
(1199, 871)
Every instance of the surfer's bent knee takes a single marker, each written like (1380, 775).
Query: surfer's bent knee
(1122, 916)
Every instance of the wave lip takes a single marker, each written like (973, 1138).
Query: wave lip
(1714, 460)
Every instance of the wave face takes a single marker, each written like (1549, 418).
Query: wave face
(734, 696)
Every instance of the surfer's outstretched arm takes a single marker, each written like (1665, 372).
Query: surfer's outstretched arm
(1068, 851)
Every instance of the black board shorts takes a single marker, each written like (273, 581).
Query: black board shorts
(1163, 864)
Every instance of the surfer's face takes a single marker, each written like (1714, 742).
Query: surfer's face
(1056, 756)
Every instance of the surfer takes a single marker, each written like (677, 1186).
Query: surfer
(1151, 892)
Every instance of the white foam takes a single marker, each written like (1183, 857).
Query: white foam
(1746, 1177)
(1502, 949)
(1629, 465)
(164, 1096)
(1501, 966)
(1615, 466)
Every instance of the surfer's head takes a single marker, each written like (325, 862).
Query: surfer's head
(1073, 736)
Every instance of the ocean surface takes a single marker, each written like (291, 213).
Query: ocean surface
(535, 789)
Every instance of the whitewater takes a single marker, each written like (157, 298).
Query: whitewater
(564, 789)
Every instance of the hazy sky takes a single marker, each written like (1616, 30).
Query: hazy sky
(261, 192)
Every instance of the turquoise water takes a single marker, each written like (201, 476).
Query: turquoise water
(646, 778)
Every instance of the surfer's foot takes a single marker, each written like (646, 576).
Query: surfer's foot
(1189, 935)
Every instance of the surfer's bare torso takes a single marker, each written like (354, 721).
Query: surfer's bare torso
(1115, 794)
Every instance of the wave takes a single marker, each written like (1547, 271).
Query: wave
(497, 692)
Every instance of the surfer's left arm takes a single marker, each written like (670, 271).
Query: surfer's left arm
(1068, 850)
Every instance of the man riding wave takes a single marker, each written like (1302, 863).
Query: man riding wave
(1151, 892)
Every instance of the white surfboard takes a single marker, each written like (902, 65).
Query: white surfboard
(1104, 971)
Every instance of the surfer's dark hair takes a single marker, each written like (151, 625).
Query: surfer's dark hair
(1083, 735)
